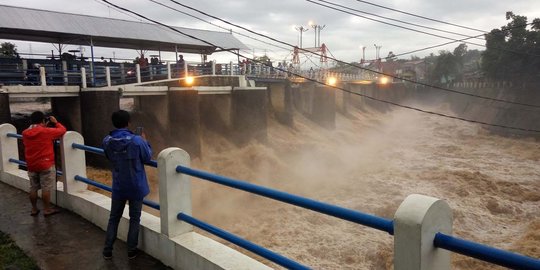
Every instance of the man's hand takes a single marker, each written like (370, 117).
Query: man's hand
(52, 119)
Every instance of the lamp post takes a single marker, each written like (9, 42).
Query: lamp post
(317, 29)
(301, 29)
(363, 54)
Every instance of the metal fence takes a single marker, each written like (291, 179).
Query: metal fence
(439, 240)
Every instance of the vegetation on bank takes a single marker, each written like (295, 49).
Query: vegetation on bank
(12, 257)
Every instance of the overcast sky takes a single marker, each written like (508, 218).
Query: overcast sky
(344, 34)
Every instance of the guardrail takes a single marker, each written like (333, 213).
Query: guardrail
(421, 223)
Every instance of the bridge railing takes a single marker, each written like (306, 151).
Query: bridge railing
(421, 227)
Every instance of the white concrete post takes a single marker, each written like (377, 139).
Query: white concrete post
(249, 68)
(214, 67)
(83, 78)
(138, 72)
(73, 162)
(186, 69)
(230, 68)
(169, 74)
(108, 75)
(64, 70)
(174, 191)
(8, 148)
(42, 76)
(416, 222)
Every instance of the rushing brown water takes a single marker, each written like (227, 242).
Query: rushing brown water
(370, 163)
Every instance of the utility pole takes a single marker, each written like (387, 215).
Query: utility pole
(317, 29)
(301, 29)
(363, 54)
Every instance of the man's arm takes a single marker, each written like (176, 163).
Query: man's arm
(58, 131)
(146, 150)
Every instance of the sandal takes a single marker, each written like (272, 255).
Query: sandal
(52, 212)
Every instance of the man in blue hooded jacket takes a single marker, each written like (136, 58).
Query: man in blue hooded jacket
(127, 153)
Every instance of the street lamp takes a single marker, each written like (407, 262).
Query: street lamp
(317, 29)
(301, 29)
(363, 54)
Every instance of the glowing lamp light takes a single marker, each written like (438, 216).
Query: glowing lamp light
(331, 81)
(190, 80)
(384, 80)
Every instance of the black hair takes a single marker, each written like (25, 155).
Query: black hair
(37, 117)
(120, 119)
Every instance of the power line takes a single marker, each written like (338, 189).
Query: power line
(447, 43)
(221, 27)
(353, 65)
(127, 14)
(396, 20)
(422, 17)
(342, 89)
(418, 31)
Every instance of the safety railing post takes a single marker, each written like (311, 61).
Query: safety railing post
(64, 69)
(213, 67)
(42, 76)
(83, 78)
(416, 222)
(73, 162)
(169, 74)
(8, 148)
(138, 72)
(174, 191)
(230, 68)
(108, 75)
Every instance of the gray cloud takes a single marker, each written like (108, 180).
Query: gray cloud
(344, 34)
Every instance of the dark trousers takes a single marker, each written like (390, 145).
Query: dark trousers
(117, 208)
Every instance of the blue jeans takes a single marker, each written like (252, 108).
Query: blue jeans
(117, 208)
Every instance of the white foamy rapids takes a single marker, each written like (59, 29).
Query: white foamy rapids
(370, 163)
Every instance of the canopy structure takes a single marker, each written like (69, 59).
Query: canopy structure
(28, 24)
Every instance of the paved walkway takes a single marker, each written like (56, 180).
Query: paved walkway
(62, 241)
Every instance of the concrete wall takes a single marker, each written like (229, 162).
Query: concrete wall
(501, 113)
(68, 111)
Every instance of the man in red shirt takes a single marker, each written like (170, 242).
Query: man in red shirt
(39, 155)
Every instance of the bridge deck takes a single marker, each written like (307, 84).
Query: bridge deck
(62, 241)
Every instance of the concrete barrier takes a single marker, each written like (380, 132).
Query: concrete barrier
(171, 241)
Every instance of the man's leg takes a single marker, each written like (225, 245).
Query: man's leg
(135, 208)
(117, 208)
(48, 182)
(33, 194)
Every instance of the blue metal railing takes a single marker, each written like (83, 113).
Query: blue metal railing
(325, 208)
(263, 252)
(451, 243)
(14, 135)
(87, 148)
(485, 253)
(23, 164)
(94, 183)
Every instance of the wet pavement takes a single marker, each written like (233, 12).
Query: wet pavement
(64, 240)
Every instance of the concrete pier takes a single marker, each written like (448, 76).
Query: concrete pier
(184, 120)
(5, 113)
(97, 107)
(249, 113)
(68, 111)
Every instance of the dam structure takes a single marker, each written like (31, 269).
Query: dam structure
(236, 102)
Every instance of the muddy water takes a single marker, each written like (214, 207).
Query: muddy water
(370, 163)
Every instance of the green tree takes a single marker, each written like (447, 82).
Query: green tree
(8, 50)
(513, 52)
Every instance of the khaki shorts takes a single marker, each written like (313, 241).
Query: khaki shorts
(42, 179)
